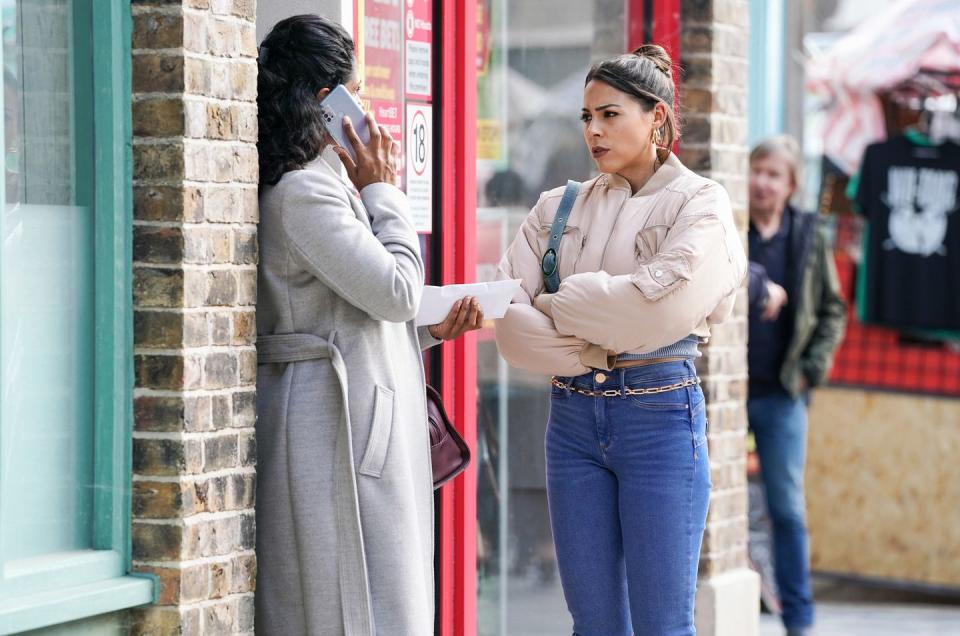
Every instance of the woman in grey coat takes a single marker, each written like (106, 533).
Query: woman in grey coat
(344, 495)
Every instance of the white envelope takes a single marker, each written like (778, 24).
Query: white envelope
(494, 299)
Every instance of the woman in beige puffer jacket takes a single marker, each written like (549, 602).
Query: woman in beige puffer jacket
(648, 260)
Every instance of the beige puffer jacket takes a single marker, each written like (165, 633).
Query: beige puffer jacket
(638, 272)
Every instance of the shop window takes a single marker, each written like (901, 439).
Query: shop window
(65, 314)
(531, 64)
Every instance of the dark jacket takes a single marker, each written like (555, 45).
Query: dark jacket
(819, 312)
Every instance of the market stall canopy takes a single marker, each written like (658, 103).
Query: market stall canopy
(881, 54)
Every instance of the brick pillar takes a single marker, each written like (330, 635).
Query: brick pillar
(714, 53)
(194, 264)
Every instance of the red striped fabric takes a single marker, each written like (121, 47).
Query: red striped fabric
(877, 56)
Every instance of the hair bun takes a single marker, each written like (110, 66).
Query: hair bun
(658, 55)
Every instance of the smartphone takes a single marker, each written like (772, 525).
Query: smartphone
(335, 105)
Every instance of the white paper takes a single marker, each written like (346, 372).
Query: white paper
(494, 298)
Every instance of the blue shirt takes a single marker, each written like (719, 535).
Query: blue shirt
(769, 260)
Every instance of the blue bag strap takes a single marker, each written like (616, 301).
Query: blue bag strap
(549, 265)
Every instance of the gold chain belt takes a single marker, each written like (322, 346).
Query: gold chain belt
(626, 392)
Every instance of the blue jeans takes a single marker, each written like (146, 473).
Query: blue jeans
(628, 484)
(779, 424)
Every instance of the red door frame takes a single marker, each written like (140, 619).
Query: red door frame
(662, 27)
(656, 22)
(458, 360)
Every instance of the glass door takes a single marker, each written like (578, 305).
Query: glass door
(532, 59)
(532, 63)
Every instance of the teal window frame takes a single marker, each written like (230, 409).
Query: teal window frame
(55, 589)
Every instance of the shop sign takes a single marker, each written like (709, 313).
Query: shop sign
(489, 139)
(418, 30)
(483, 38)
(419, 137)
(379, 38)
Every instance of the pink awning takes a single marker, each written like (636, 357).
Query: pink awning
(877, 56)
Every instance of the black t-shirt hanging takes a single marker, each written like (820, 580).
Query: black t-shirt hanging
(910, 194)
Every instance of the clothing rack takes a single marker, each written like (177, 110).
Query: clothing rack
(927, 83)
(876, 357)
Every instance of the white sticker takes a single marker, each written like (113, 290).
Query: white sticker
(418, 68)
(420, 165)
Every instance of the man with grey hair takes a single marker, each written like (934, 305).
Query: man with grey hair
(797, 319)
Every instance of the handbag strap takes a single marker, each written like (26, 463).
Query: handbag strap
(549, 265)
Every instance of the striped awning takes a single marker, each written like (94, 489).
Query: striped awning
(878, 56)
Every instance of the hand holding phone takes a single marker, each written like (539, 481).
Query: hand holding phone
(370, 160)
(339, 103)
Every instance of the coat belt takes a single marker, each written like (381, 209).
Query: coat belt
(355, 598)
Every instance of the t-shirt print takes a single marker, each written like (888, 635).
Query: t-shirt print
(911, 268)
(920, 202)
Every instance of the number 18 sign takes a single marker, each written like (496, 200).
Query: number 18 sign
(419, 137)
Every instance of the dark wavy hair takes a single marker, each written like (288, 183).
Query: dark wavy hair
(647, 75)
(301, 55)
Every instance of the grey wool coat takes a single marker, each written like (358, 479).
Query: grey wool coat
(344, 493)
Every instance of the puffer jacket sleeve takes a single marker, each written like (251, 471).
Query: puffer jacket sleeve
(526, 337)
(694, 277)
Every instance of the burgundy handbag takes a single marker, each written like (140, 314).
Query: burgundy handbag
(449, 454)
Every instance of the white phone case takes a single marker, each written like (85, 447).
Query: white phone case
(335, 105)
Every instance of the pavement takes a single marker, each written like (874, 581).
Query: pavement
(535, 607)
(846, 608)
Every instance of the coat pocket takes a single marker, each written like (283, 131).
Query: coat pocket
(376, 452)
(661, 276)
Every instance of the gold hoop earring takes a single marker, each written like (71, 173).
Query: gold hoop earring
(657, 137)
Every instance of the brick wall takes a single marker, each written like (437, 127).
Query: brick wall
(195, 253)
(714, 50)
